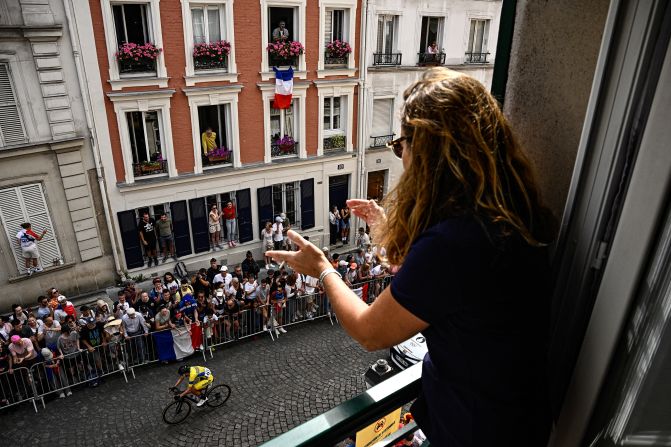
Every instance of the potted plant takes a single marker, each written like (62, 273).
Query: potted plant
(338, 49)
(284, 51)
(218, 154)
(286, 144)
(152, 166)
(211, 55)
(134, 57)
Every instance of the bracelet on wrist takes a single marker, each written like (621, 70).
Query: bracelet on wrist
(327, 272)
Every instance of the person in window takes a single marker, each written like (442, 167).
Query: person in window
(432, 48)
(214, 227)
(147, 231)
(281, 33)
(27, 240)
(208, 140)
(334, 225)
(484, 378)
(228, 214)
(344, 224)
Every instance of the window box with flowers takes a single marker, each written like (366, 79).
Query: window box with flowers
(134, 58)
(337, 53)
(219, 155)
(151, 167)
(283, 146)
(284, 52)
(211, 56)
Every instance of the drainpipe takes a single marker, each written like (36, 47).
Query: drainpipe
(363, 74)
(86, 99)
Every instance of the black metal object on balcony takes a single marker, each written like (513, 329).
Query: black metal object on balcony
(282, 150)
(476, 58)
(276, 61)
(331, 61)
(139, 66)
(150, 168)
(381, 140)
(335, 143)
(210, 64)
(430, 59)
(387, 58)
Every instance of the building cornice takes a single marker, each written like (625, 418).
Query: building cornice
(146, 94)
(192, 91)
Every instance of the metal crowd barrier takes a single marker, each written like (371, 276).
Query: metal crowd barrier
(17, 387)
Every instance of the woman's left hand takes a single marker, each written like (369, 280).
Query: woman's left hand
(308, 260)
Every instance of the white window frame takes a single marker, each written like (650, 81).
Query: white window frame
(441, 28)
(467, 32)
(344, 90)
(392, 121)
(192, 76)
(144, 132)
(210, 97)
(396, 25)
(154, 23)
(299, 34)
(17, 103)
(349, 32)
(295, 223)
(300, 94)
(143, 102)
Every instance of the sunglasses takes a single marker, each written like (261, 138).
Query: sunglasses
(396, 146)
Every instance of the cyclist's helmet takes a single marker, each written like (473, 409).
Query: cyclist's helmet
(184, 369)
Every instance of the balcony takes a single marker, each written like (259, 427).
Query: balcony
(288, 150)
(334, 143)
(276, 61)
(430, 59)
(381, 140)
(150, 168)
(210, 64)
(387, 58)
(476, 58)
(334, 61)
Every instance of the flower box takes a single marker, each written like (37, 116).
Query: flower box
(134, 58)
(218, 158)
(284, 52)
(213, 55)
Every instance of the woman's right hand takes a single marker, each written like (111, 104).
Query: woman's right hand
(368, 210)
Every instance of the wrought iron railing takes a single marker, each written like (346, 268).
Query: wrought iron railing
(329, 60)
(276, 61)
(210, 64)
(283, 150)
(140, 66)
(476, 58)
(381, 140)
(335, 143)
(430, 58)
(387, 58)
(150, 168)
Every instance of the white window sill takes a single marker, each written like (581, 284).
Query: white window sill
(220, 166)
(336, 72)
(118, 84)
(268, 75)
(210, 76)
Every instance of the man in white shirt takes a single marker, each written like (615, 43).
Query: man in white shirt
(27, 240)
(223, 277)
(362, 239)
(278, 238)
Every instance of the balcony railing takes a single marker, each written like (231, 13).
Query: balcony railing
(387, 58)
(276, 61)
(430, 59)
(140, 66)
(338, 423)
(381, 140)
(476, 58)
(283, 150)
(335, 143)
(150, 168)
(210, 64)
(334, 62)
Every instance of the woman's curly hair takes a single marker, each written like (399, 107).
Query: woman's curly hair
(464, 160)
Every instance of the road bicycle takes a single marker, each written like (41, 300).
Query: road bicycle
(180, 408)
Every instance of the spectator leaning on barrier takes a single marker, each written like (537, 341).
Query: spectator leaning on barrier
(23, 351)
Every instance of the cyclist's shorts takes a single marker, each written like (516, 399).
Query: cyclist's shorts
(203, 383)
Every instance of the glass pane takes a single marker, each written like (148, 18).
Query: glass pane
(277, 200)
(213, 25)
(380, 34)
(153, 135)
(337, 26)
(222, 125)
(136, 135)
(327, 113)
(471, 36)
(336, 113)
(434, 24)
(289, 120)
(480, 28)
(290, 197)
(198, 25)
(389, 36)
(136, 23)
(117, 10)
(275, 115)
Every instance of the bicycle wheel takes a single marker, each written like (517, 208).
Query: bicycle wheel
(218, 395)
(176, 412)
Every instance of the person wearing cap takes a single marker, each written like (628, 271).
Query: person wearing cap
(23, 352)
(278, 237)
(55, 374)
(250, 266)
(134, 326)
(102, 311)
(184, 288)
(113, 331)
(223, 277)
(93, 336)
(86, 312)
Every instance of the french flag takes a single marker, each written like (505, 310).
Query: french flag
(177, 343)
(284, 88)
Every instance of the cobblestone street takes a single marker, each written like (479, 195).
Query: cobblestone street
(276, 386)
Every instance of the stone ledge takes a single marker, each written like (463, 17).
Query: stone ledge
(15, 279)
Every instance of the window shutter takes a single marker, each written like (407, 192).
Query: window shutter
(130, 239)
(199, 225)
(265, 205)
(328, 25)
(381, 117)
(307, 204)
(11, 127)
(180, 228)
(380, 34)
(244, 204)
(27, 204)
(485, 35)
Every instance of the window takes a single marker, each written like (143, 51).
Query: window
(332, 113)
(386, 35)
(286, 197)
(476, 52)
(11, 126)
(281, 23)
(207, 23)
(144, 130)
(282, 20)
(131, 23)
(432, 28)
(283, 131)
(210, 46)
(334, 133)
(215, 131)
(334, 26)
(27, 203)
(381, 131)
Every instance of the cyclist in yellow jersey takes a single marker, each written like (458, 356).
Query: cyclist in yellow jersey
(199, 379)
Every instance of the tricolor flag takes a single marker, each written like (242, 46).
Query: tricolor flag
(175, 344)
(284, 88)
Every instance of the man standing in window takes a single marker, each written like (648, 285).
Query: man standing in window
(147, 230)
(27, 238)
(281, 32)
(165, 237)
(209, 140)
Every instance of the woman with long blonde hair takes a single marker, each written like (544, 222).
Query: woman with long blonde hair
(466, 211)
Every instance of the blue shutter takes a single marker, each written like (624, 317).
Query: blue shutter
(130, 238)
(198, 210)
(243, 198)
(180, 228)
(265, 203)
(307, 204)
